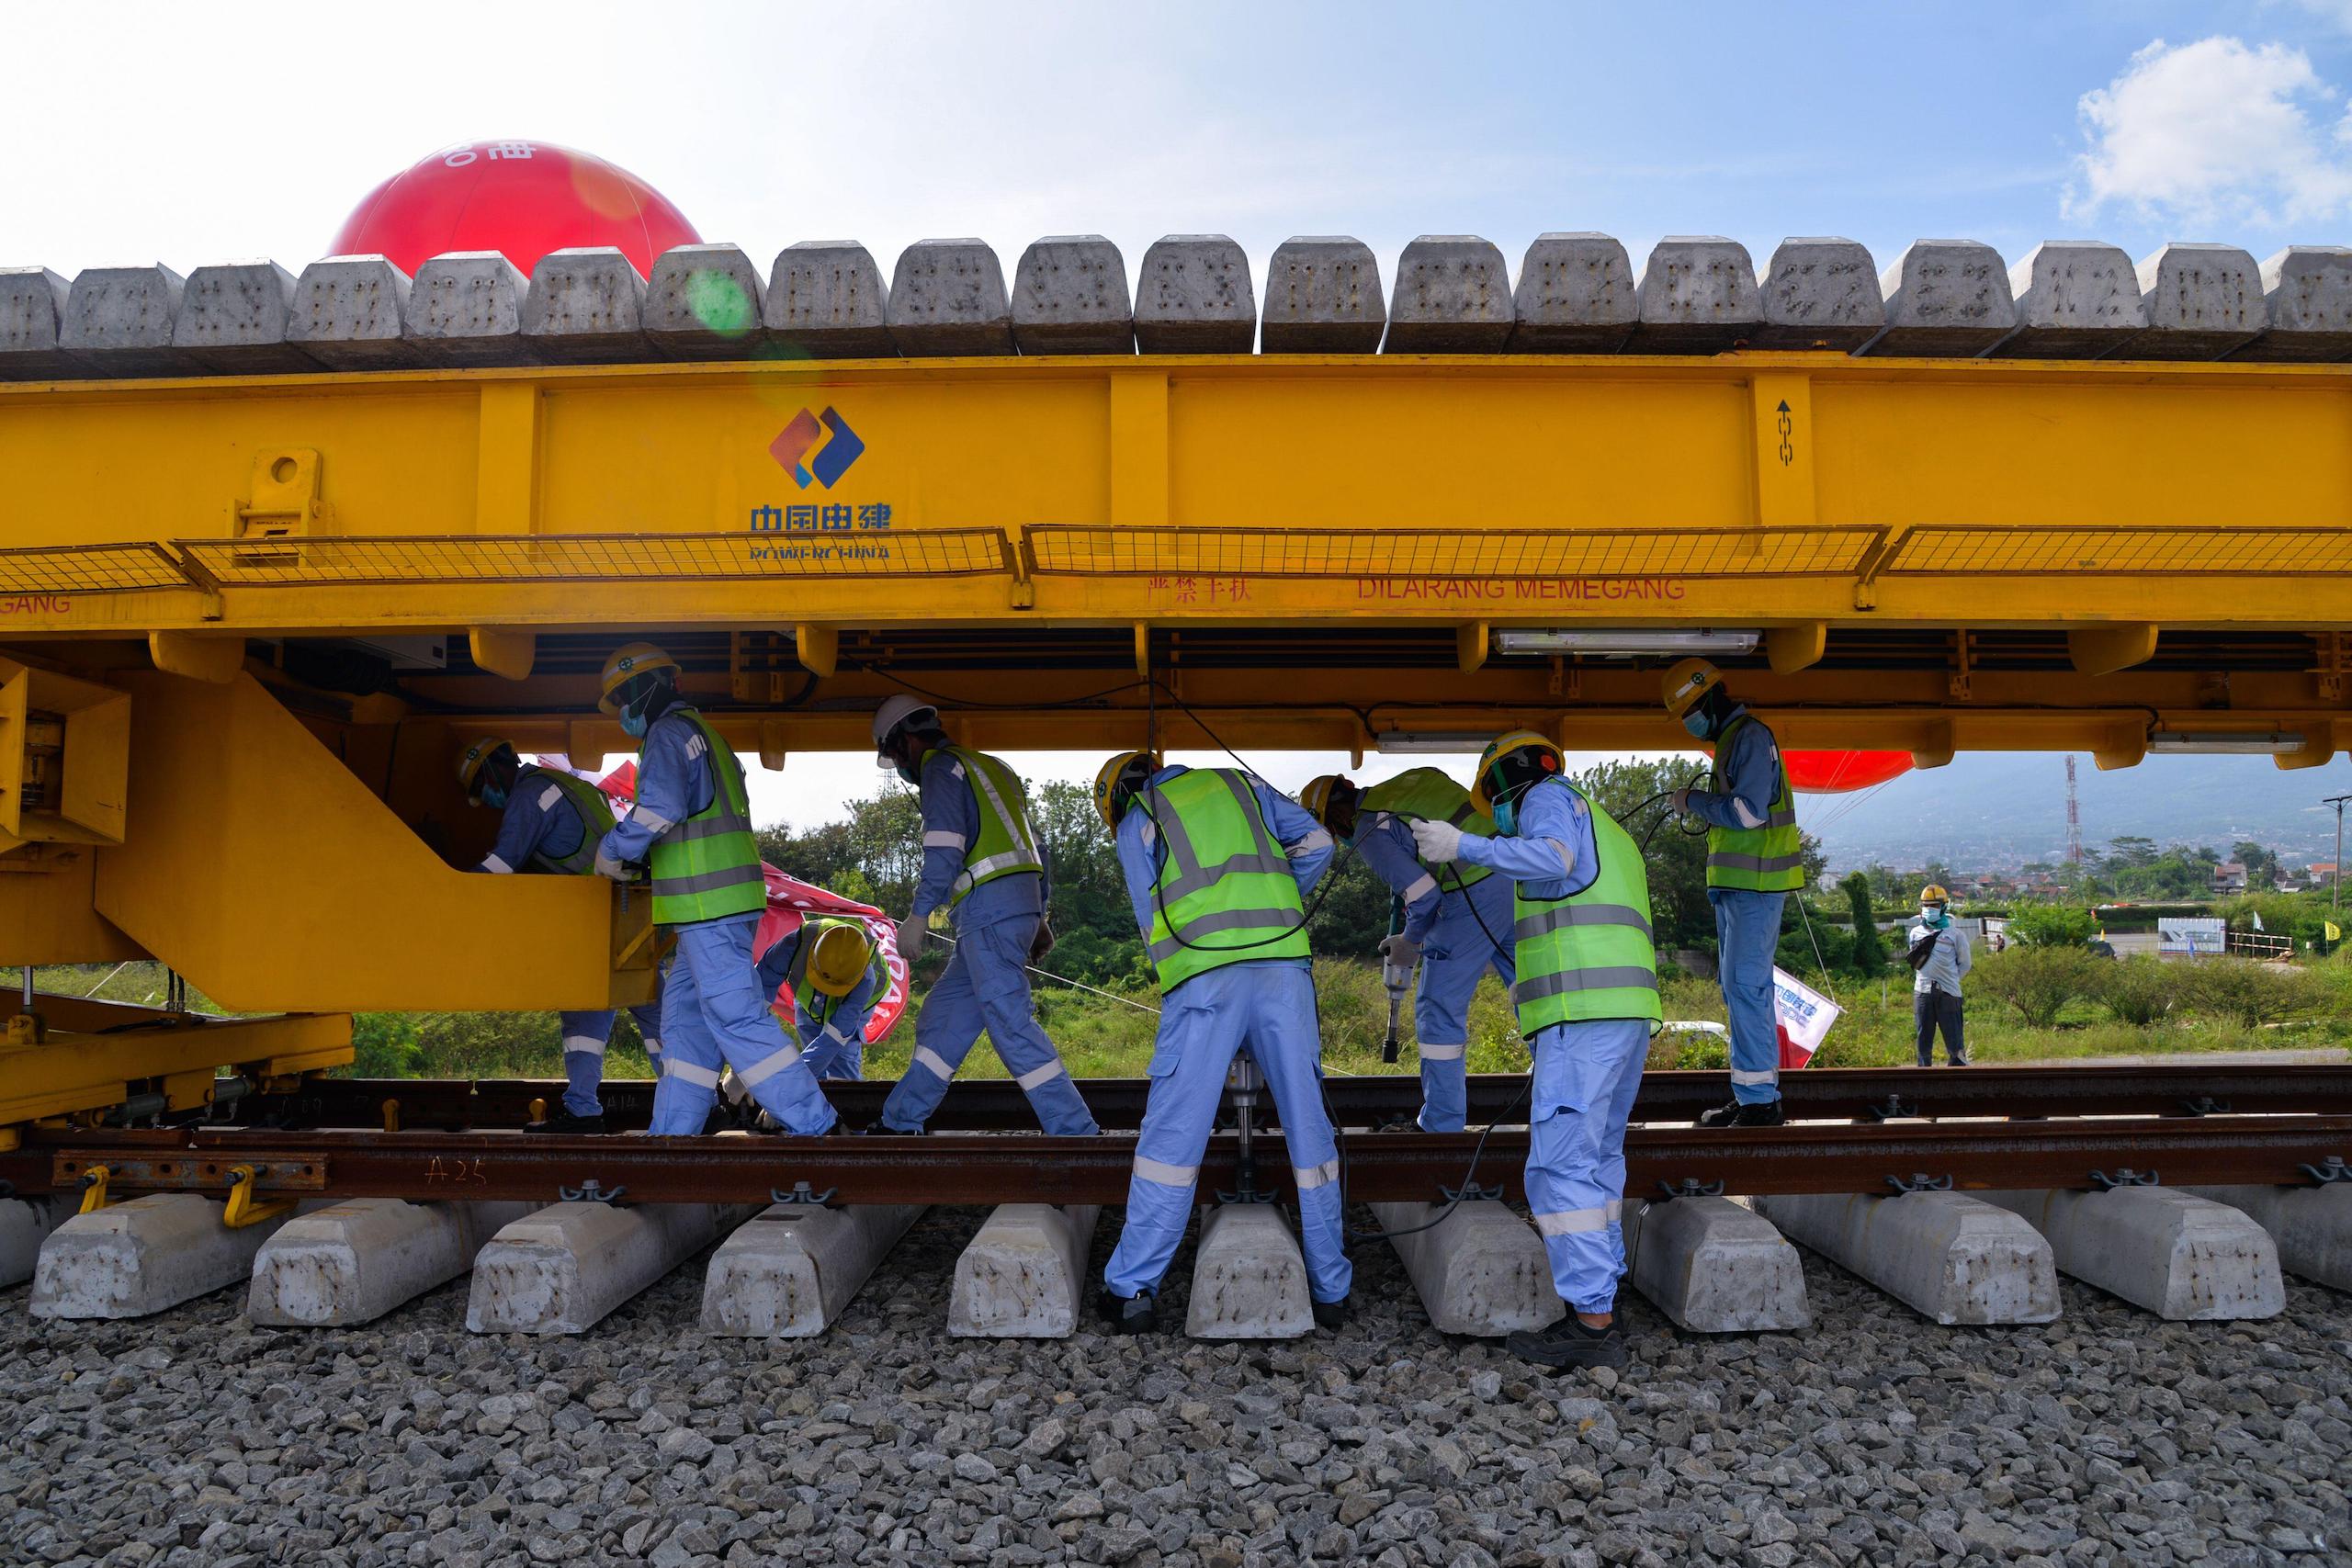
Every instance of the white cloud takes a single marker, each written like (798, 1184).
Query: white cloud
(2214, 133)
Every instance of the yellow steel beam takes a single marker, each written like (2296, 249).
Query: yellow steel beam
(79, 1068)
(1849, 491)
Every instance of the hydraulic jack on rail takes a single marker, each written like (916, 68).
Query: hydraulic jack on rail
(1242, 1084)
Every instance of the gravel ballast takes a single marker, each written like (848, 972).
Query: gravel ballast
(2105, 1437)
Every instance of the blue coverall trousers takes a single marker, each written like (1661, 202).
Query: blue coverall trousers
(584, 1036)
(1587, 1074)
(1461, 946)
(1748, 931)
(986, 986)
(714, 1015)
(1267, 1009)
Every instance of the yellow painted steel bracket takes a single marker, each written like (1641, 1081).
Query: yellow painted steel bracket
(243, 1210)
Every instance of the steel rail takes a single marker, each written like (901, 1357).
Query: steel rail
(1873, 1093)
(996, 1168)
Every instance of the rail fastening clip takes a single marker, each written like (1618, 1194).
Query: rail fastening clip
(801, 1193)
(590, 1192)
(1469, 1192)
(1692, 1188)
(1920, 1181)
(2124, 1176)
(2332, 1169)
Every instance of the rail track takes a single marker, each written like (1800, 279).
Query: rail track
(1854, 1130)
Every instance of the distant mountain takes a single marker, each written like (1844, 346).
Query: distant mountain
(1990, 809)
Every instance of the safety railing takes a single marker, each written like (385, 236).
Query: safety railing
(1079, 549)
(597, 558)
(2187, 549)
(59, 569)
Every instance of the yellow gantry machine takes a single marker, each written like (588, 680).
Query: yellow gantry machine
(246, 621)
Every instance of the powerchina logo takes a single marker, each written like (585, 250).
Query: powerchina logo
(818, 447)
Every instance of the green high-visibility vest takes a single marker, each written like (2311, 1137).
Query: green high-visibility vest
(1761, 860)
(707, 866)
(595, 818)
(1225, 894)
(1006, 843)
(1427, 793)
(1590, 954)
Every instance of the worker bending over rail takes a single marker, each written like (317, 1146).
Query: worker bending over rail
(836, 976)
(1218, 866)
(693, 824)
(1939, 956)
(1456, 917)
(552, 822)
(1755, 861)
(982, 862)
(1588, 1003)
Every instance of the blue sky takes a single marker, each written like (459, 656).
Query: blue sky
(199, 137)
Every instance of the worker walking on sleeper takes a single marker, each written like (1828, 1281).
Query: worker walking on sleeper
(551, 822)
(1457, 917)
(1940, 957)
(693, 824)
(1218, 866)
(836, 976)
(1755, 860)
(982, 862)
(1588, 1003)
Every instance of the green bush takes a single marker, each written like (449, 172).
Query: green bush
(2140, 990)
(2053, 926)
(384, 1045)
(2039, 981)
(1870, 951)
(2251, 993)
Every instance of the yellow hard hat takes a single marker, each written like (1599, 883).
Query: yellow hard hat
(1317, 796)
(629, 661)
(1111, 792)
(840, 958)
(1933, 893)
(1544, 758)
(474, 758)
(1690, 680)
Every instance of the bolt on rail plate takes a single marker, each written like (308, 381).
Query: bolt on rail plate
(191, 1172)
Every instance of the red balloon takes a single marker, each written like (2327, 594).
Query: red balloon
(524, 198)
(1834, 773)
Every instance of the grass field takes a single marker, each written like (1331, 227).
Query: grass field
(1108, 1037)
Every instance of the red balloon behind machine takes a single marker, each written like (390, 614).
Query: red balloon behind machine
(523, 199)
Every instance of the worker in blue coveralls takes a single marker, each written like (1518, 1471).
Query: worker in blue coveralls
(1218, 866)
(550, 822)
(691, 826)
(1588, 1003)
(1457, 917)
(836, 975)
(984, 863)
(1755, 860)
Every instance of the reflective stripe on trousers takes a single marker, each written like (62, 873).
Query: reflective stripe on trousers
(1587, 1074)
(986, 986)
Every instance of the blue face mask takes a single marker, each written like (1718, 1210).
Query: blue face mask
(1696, 723)
(1506, 815)
(634, 722)
(493, 797)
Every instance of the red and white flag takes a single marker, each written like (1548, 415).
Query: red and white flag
(1804, 1016)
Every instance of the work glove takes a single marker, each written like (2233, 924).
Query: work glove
(1680, 801)
(1401, 951)
(1440, 843)
(913, 931)
(619, 871)
(1043, 944)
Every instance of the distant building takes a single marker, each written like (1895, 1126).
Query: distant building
(2229, 877)
(2321, 871)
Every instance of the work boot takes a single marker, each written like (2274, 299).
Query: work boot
(565, 1121)
(1137, 1314)
(1569, 1343)
(884, 1129)
(1767, 1113)
(1334, 1315)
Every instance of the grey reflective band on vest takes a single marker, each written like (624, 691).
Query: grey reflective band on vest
(972, 873)
(707, 882)
(1022, 855)
(713, 827)
(1626, 976)
(1224, 920)
(1781, 817)
(1545, 921)
(1733, 861)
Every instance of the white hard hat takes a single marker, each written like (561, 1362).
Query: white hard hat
(895, 713)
